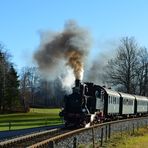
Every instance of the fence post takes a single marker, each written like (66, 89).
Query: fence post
(133, 128)
(93, 136)
(121, 129)
(9, 125)
(101, 136)
(109, 132)
(146, 123)
(106, 133)
(137, 125)
(129, 128)
(75, 142)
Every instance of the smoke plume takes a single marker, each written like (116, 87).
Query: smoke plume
(62, 50)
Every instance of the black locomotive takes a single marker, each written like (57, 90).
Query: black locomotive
(89, 104)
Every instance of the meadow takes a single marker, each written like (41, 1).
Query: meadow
(35, 118)
(138, 139)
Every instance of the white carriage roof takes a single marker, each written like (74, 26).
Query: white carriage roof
(141, 98)
(111, 92)
(128, 96)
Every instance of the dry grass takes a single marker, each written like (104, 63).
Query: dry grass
(138, 139)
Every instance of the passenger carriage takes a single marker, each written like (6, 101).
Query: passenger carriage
(108, 101)
(141, 105)
(127, 104)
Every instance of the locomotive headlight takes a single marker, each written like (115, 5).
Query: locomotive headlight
(83, 110)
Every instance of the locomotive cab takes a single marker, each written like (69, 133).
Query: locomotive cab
(99, 101)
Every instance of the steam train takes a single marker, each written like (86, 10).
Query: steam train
(89, 104)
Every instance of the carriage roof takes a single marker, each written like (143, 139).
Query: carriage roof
(112, 92)
(127, 96)
(141, 98)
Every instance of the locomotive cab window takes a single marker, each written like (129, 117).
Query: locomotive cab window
(99, 100)
(97, 94)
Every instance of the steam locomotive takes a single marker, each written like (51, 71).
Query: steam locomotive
(90, 104)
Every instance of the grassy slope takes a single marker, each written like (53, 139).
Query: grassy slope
(36, 117)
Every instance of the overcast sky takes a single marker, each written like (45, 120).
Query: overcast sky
(108, 20)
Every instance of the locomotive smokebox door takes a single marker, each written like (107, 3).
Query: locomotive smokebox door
(99, 100)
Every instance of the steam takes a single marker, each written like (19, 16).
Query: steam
(60, 51)
(96, 71)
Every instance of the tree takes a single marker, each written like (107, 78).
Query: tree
(143, 72)
(9, 98)
(122, 70)
(4, 66)
(29, 82)
(12, 91)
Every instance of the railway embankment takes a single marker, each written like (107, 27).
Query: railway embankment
(94, 134)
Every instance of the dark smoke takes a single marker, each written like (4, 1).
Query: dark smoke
(62, 49)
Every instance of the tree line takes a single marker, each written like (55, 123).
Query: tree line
(127, 71)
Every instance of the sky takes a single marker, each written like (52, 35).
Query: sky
(107, 20)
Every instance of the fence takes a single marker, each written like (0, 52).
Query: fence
(100, 133)
(28, 123)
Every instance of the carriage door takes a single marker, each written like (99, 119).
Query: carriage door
(99, 100)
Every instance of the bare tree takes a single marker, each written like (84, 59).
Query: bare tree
(143, 72)
(122, 70)
(28, 83)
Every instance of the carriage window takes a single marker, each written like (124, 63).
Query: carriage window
(102, 95)
(114, 100)
(125, 101)
(108, 99)
(118, 101)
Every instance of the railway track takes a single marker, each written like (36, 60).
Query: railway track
(99, 132)
(27, 140)
(60, 137)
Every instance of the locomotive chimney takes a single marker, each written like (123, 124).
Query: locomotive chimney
(77, 83)
(76, 88)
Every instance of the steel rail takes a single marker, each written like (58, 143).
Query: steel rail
(27, 137)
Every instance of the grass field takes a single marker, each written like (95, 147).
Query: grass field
(35, 118)
(138, 139)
